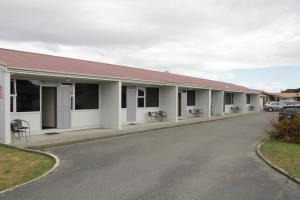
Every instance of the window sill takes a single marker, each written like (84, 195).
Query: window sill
(27, 112)
(84, 110)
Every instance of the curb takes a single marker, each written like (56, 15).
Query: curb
(128, 133)
(273, 166)
(49, 155)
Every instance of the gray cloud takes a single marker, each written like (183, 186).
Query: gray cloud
(184, 36)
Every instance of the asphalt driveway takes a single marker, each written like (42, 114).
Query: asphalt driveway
(213, 160)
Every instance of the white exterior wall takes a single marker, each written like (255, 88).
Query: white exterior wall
(4, 106)
(228, 108)
(124, 116)
(33, 118)
(79, 119)
(217, 101)
(168, 101)
(203, 101)
(187, 113)
(255, 101)
(142, 113)
(111, 115)
(239, 100)
(209, 103)
(86, 118)
(247, 107)
(261, 103)
(111, 104)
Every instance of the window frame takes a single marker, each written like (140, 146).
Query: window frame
(141, 97)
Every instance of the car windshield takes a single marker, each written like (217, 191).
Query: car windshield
(289, 103)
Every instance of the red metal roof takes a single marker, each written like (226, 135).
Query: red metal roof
(269, 93)
(33, 61)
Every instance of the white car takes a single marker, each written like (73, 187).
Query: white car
(274, 106)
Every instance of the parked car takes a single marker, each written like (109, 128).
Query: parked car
(288, 112)
(289, 102)
(297, 103)
(274, 106)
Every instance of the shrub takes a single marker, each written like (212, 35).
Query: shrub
(287, 130)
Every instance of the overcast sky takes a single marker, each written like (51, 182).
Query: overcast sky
(223, 40)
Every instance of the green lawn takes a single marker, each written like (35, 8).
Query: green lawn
(284, 155)
(17, 166)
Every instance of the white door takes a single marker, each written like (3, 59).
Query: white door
(131, 104)
(64, 106)
(184, 111)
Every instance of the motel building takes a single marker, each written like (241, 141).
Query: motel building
(62, 94)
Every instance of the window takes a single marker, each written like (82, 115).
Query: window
(152, 97)
(141, 97)
(12, 87)
(248, 99)
(124, 97)
(228, 98)
(191, 97)
(141, 92)
(11, 104)
(86, 96)
(28, 96)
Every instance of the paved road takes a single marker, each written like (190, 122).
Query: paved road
(213, 160)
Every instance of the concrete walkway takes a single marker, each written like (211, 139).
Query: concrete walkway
(71, 137)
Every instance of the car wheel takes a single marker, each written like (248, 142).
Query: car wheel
(270, 109)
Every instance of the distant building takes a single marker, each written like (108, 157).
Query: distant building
(289, 96)
(291, 91)
(267, 96)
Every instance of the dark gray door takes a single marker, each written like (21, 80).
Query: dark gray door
(64, 106)
(49, 108)
(131, 104)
